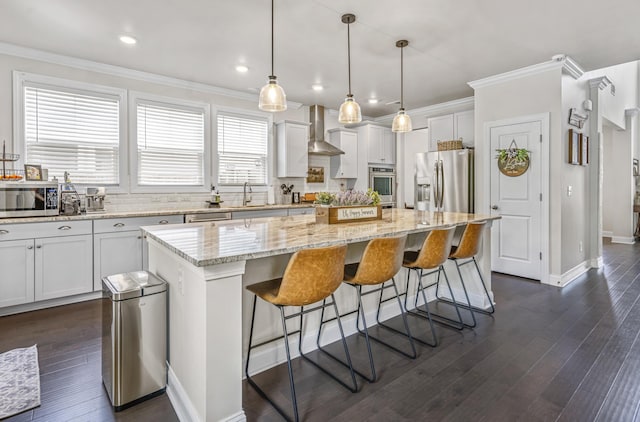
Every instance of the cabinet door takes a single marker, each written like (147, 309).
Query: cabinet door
(293, 149)
(464, 127)
(388, 147)
(440, 129)
(115, 253)
(374, 144)
(63, 266)
(16, 277)
(345, 166)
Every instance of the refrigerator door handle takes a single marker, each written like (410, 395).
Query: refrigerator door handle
(441, 185)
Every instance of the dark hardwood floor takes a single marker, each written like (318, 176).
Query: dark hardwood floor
(547, 354)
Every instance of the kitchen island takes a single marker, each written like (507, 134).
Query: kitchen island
(207, 266)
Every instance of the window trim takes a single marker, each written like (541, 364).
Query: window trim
(136, 97)
(270, 148)
(22, 79)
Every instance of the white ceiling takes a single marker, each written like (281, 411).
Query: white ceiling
(451, 42)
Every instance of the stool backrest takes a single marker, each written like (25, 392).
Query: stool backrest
(470, 242)
(381, 260)
(435, 249)
(312, 275)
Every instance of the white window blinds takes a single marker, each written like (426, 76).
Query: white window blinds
(74, 131)
(171, 145)
(242, 149)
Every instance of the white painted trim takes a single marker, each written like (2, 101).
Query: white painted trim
(607, 233)
(623, 239)
(462, 104)
(571, 67)
(483, 203)
(88, 65)
(27, 307)
(597, 262)
(179, 399)
(569, 276)
(601, 83)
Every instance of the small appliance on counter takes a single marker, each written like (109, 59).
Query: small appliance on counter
(70, 203)
(28, 199)
(95, 199)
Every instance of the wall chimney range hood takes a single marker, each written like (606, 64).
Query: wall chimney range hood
(317, 144)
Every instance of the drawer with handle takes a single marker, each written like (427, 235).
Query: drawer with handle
(49, 229)
(110, 225)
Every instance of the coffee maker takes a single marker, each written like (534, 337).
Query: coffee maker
(95, 199)
(70, 203)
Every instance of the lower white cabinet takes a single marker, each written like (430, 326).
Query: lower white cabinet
(42, 261)
(115, 253)
(63, 266)
(16, 277)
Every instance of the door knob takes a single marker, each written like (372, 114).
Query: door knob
(494, 207)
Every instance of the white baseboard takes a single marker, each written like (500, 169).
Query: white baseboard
(34, 306)
(179, 399)
(607, 233)
(597, 262)
(623, 239)
(571, 275)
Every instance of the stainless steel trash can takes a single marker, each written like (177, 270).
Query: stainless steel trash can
(134, 337)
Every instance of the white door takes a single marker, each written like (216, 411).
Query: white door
(516, 241)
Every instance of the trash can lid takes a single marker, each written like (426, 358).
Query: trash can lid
(134, 284)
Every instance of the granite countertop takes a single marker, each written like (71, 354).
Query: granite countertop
(147, 213)
(218, 242)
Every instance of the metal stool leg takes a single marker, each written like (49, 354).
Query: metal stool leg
(427, 316)
(406, 333)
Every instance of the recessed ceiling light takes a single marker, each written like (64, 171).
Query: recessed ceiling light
(317, 87)
(127, 39)
(242, 68)
(372, 101)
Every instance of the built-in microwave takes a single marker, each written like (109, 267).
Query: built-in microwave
(383, 181)
(28, 199)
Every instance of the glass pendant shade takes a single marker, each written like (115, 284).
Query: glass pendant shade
(402, 122)
(272, 96)
(349, 111)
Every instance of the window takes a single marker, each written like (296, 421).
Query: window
(69, 126)
(242, 149)
(171, 147)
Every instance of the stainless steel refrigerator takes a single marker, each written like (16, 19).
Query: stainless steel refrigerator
(444, 181)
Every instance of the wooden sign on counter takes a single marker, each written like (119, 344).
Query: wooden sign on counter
(356, 213)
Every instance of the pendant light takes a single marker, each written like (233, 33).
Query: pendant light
(349, 110)
(402, 121)
(272, 96)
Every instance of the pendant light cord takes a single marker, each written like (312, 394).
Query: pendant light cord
(349, 55)
(402, 77)
(272, 36)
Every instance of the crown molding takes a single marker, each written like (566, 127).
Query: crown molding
(601, 83)
(461, 104)
(632, 112)
(561, 61)
(123, 72)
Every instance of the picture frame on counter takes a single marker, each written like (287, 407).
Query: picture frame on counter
(33, 172)
(574, 147)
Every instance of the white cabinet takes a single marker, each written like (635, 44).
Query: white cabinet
(344, 166)
(16, 277)
(278, 212)
(63, 266)
(451, 126)
(301, 211)
(44, 261)
(118, 245)
(380, 141)
(292, 139)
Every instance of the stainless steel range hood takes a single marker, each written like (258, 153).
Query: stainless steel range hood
(317, 144)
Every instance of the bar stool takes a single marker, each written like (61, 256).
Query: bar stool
(380, 262)
(434, 252)
(468, 249)
(312, 275)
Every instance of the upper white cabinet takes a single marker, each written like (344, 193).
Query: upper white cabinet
(451, 126)
(292, 140)
(344, 166)
(379, 141)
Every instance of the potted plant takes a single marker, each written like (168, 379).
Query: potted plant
(348, 206)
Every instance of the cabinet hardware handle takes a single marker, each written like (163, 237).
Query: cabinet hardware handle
(139, 237)
(494, 207)
(163, 222)
(118, 225)
(4, 231)
(38, 246)
(29, 247)
(64, 228)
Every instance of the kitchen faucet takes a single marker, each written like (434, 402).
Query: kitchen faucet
(246, 198)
